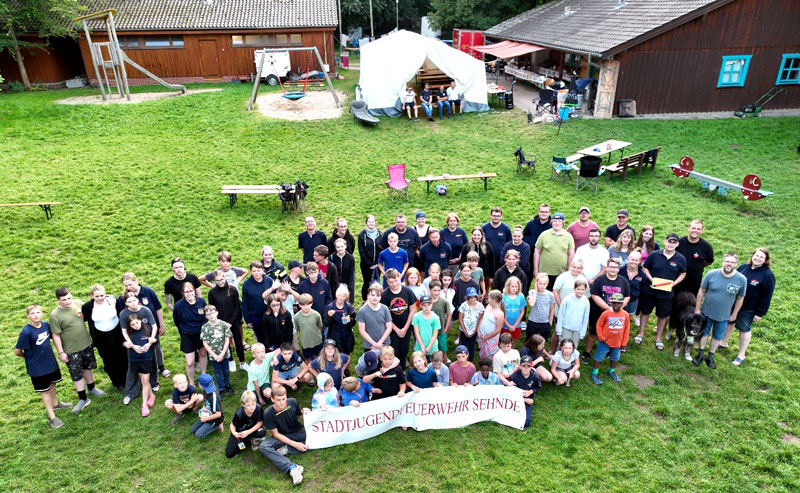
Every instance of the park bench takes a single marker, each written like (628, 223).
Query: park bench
(233, 191)
(637, 161)
(481, 175)
(44, 205)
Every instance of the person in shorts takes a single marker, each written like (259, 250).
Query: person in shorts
(74, 346)
(613, 328)
(289, 368)
(669, 267)
(410, 103)
(33, 344)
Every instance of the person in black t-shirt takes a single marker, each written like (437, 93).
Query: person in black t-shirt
(528, 381)
(616, 229)
(173, 287)
(288, 433)
(401, 302)
(246, 425)
(390, 378)
(426, 98)
(602, 289)
(699, 255)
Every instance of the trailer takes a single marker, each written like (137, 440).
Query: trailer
(277, 64)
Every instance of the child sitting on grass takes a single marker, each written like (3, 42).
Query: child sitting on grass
(184, 399)
(528, 381)
(33, 344)
(355, 391)
(441, 370)
(210, 417)
(216, 336)
(289, 368)
(613, 328)
(566, 363)
(389, 378)
(140, 356)
(421, 376)
(506, 360)
(326, 395)
(534, 347)
(485, 375)
(246, 425)
(461, 370)
(258, 380)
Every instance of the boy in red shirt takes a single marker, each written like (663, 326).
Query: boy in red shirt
(613, 328)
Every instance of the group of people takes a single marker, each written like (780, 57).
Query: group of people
(575, 283)
(447, 97)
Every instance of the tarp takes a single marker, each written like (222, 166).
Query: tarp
(429, 409)
(508, 49)
(388, 63)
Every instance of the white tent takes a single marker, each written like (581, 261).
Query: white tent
(388, 63)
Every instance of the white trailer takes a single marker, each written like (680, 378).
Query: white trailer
(276, 65)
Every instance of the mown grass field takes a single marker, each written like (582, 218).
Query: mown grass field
(140, 184)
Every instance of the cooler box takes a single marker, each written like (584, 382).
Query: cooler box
(627, 108)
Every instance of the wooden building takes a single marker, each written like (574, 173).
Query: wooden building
(198, 40)
(670, 56)
(59, 60)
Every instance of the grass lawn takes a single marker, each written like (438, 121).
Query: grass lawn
(140, 184)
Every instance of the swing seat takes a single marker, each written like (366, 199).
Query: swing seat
(294, 96)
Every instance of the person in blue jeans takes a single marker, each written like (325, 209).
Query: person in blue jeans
(288, 433)
(426, 99)
(210, 417)
(442, 100)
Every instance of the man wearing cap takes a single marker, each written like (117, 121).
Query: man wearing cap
(699, 255)
(310, 238)
(537, 226)
(435, 251)
(669, 267)
(528, 381)
(719, 299)
(497, 234)
(602, 290)
(554, 250)
(407, 238)
(616, 229)
(580, 228)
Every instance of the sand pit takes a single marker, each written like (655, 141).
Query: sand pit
(139, 97)
(316, 105)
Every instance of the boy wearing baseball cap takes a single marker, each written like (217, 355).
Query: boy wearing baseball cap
(461, 370)
(612, 333)
(210, 417)
(528, 381)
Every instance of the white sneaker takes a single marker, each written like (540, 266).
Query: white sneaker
(244, 366)
(297, 475)
(231, 366)
(156, 388)
(636, 321)
(126, 400)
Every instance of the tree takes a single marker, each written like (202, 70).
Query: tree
(355, 13)
(476, 14)
(44, 18)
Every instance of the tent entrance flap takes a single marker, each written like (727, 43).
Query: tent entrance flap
(508, 49)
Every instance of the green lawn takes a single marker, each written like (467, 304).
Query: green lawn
(140, 185)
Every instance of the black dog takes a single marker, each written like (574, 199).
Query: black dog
(688, 325)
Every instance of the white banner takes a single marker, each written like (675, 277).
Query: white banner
(436, 408)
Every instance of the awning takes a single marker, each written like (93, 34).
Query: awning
(508, 49)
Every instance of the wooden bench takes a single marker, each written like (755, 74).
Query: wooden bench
(638, 161)
(44, 205)
(483, 176)
(233, 191)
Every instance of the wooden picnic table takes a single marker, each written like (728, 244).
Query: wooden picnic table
(483, 176)
(45, 206)
(604, 148)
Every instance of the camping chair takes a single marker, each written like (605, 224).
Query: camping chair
(397, 181)
(547, 101)
(524, 164)
(559, 168)
(589, 172)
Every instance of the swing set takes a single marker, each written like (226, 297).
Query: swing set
(292, 95)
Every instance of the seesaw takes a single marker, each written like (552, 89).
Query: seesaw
(750, 186)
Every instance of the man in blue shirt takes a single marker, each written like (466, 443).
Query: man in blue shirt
(309, 239)
(253, 296)
(497, 234)
(435, 251)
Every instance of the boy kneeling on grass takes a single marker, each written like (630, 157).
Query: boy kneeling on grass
(613, 328)
(289, 368)
(34, 345)
(184, 399)
(288, 433)
(246, 426)
(210, 417)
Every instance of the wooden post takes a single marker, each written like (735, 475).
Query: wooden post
(115, 45)
(327, 79)
(257, 82)
(606, 89)
(94, 61)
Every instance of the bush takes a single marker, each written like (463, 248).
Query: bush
(16, 86)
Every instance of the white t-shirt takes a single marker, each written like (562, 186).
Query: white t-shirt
(409, 96)
(565, 284)
(452, 93)
(505, 363)
(593, 259)
(563, 364)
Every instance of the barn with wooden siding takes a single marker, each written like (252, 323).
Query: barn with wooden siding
(195, 40)
(669, 56)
